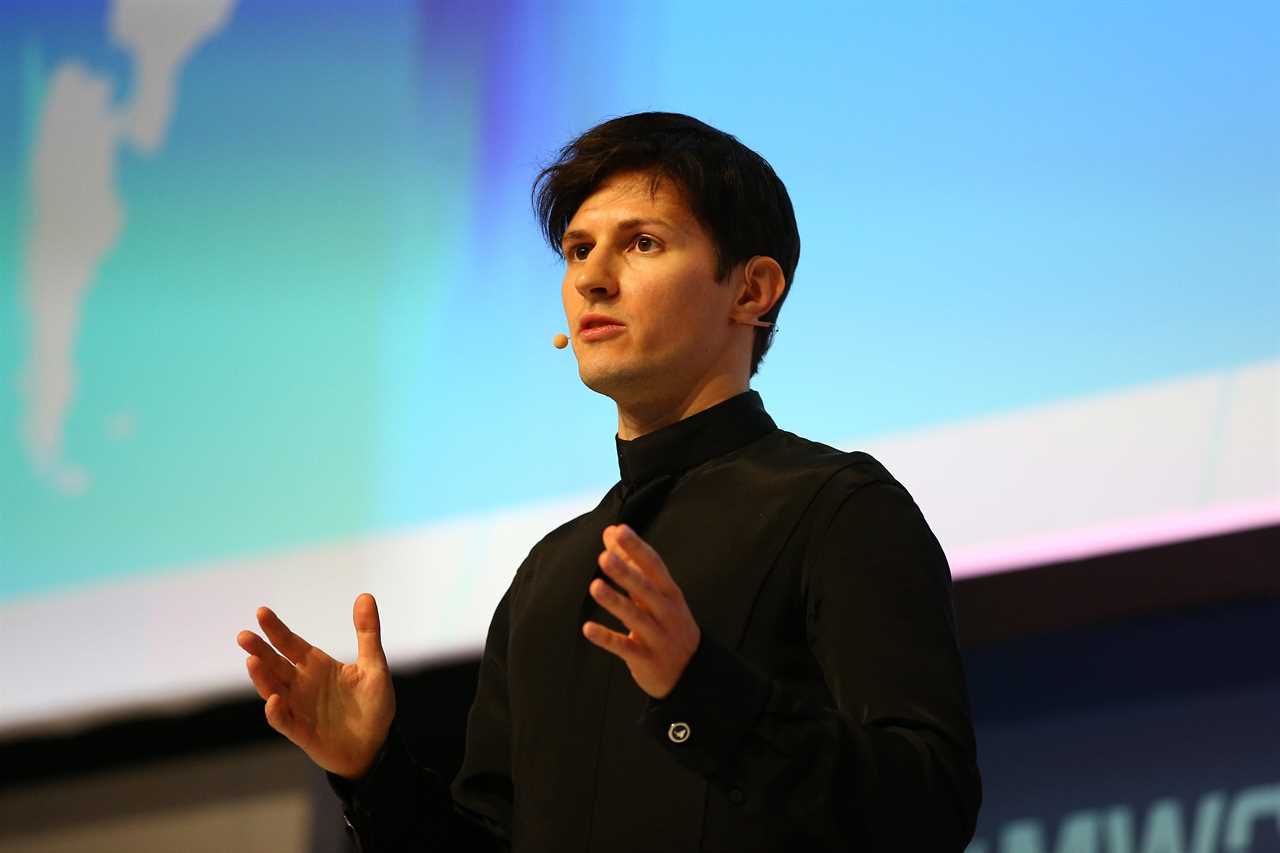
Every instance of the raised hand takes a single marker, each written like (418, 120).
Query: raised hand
(662, 632)
(338, 713)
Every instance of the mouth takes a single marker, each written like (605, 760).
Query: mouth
(597, 327)
(592, 321)
(600, 332)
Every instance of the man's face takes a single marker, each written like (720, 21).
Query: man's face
(642, 260)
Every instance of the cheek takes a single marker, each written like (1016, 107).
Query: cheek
(695, 301)
(665, 313)
(680, 324)
(567, 295)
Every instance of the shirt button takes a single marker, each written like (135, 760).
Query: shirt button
(735, 796)
(679, 732)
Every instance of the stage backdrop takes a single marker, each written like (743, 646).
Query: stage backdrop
(275, 320)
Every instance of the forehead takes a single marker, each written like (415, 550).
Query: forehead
(628, 196)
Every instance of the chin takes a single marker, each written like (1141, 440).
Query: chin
(616, 381)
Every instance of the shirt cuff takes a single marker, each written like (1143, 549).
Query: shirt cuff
(702, 721)
(389, 787)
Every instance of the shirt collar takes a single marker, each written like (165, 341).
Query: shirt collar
(715, 431)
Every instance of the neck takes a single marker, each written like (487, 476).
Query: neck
(637, 418)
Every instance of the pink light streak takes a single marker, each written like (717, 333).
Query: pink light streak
(977, 560)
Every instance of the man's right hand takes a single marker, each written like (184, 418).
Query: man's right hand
(338, 713)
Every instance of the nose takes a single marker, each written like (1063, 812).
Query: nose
(594, 278)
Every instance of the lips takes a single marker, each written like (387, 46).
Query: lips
(594, 321)
(598, 327)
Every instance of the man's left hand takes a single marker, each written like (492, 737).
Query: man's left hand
(663, 635)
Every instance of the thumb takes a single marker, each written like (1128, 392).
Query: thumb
(368, 631)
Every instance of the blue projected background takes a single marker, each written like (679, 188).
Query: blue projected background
(270, 287)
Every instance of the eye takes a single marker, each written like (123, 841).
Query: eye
(645, 244)
(578, 252)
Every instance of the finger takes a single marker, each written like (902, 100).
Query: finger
(368, 630)
(641, 554)
(290, 644)
(263, 680)
(637, 620)
(610, 641)
(627, 576)
(257, 647)
(278, 716)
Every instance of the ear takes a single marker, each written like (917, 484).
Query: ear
(761, 287)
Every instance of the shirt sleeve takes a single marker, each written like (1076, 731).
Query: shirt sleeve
(893, 765)
(401, 805)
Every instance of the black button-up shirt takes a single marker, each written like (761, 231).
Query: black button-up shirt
(825, 708)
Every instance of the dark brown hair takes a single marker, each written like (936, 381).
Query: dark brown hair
(731, 190)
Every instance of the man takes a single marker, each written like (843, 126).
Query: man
(748, 645)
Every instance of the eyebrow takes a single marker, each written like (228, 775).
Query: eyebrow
(624, 225)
